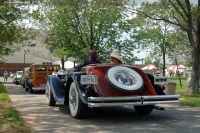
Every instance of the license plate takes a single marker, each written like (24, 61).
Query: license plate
(42, 85)
(160, 80)
(89, 79)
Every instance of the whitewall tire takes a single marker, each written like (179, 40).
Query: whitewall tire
(76, 106)
(124, 79)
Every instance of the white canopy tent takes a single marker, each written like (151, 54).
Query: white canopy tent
(174, 67)
(149, 67)
(67, 65)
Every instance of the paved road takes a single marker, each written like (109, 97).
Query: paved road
(45, 119)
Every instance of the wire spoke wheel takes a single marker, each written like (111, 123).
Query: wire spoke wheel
(76, 106)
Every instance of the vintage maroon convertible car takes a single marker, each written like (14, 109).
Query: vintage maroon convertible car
(103, 85)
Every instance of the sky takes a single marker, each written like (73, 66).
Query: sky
(139, 55)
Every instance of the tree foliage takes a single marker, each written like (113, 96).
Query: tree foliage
(183, 15)
(12, 30)
(154, 37)
(76, 26)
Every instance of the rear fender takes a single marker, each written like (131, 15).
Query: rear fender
(148, 85)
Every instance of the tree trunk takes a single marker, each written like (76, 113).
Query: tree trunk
(194, 84)
(63, 63)
(163, 55)
(163, 64)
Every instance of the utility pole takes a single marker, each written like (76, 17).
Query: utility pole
(24, 55)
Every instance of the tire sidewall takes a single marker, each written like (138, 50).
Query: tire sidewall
(47, 92)
(30, 89)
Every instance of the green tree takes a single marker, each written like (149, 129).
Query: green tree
(156, 61)
(154, 37)
(183, 15)
(148, 60)
(76, 26)
(12, 30)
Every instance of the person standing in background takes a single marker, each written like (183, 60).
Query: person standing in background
(5, 74)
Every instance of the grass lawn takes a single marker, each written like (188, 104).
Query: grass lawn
(193, 100)
(10, 119)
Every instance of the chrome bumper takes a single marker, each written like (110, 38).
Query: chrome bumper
(38, 88)
(41, 87)
(132, 100)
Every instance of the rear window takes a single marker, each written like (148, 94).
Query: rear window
(50, 68)
(40, 68)
(53, 68)
(19, 73)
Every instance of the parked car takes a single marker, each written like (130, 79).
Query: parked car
(24, 78)
(37, 75)
(104, 85)
(17, 77)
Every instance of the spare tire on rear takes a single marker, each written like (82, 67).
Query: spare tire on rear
(124, 79)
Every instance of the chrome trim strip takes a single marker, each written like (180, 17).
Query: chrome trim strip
(112, 104)
(114, 98)
(160, 102)
(162, 97)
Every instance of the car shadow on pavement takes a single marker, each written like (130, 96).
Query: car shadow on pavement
(115, 113)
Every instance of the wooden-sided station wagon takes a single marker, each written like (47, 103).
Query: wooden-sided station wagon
(37, 75)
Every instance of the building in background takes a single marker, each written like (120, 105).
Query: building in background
(32, 51)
